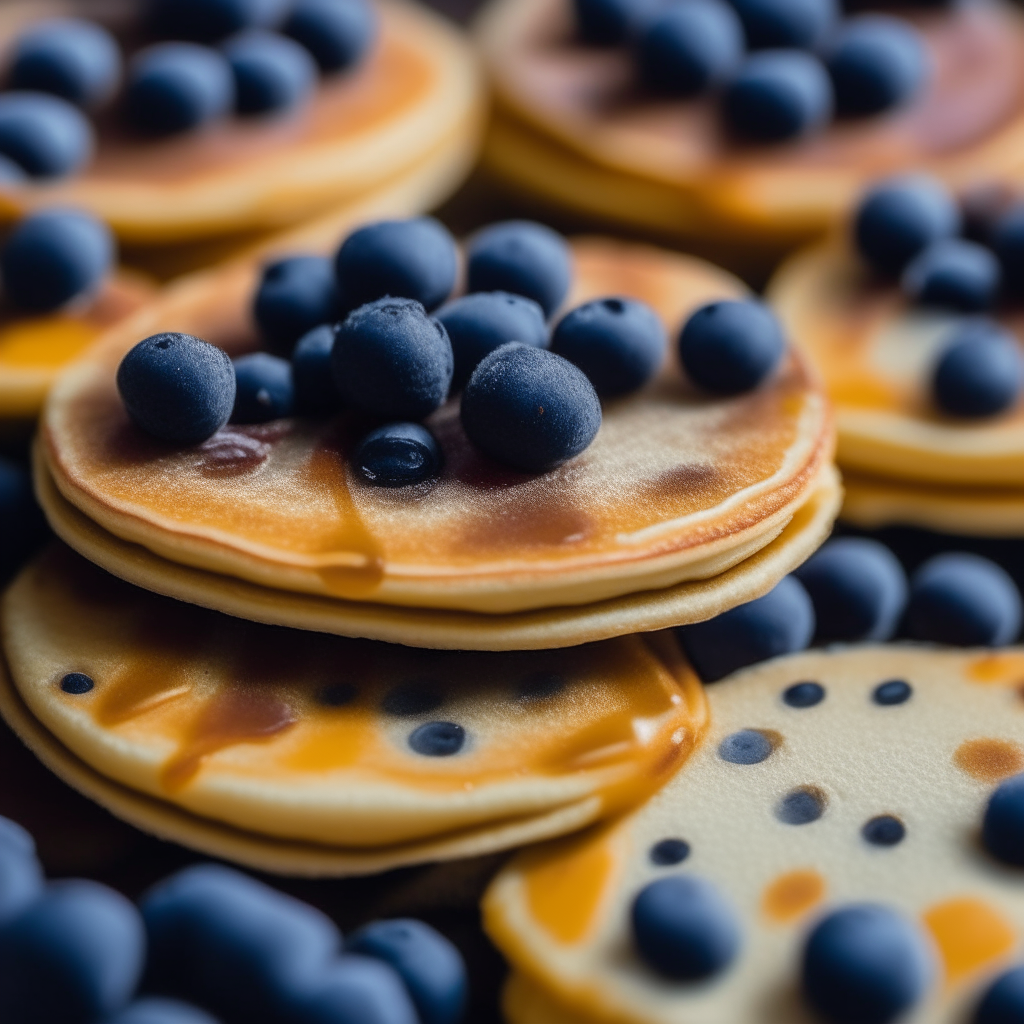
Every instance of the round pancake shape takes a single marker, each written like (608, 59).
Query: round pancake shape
(677, 486)
(876, 352)
(336, 742)
(418, 87)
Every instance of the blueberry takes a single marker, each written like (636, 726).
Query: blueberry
(877, 62)
(398, 455)
(359, 990)
(316, 394)
(1008, 244)
(74, 955)
(53, 256)
(892, 693)
(801, 806)
(403, 259)
(1002, 829)
(781, 622)
(72, 58)
(480, 322)
(963, 599)
(730, 347)
(44, 135)
(1003, 1002)
(438, 739)
(77, 683)
(865, 964)
(392, 360)
(177, 87)
(778, 95)
(208, 21)
(748, 746)
(667, 852)
(177, 387)
(530, 409)
(16, 840)
(899, 218)
(690, 48)
(263, 389)
(25, 527)
(787, 24)
(338, 33)
(21, 876)
(610, 22)
(618, 343)
(885, 830)
(522, 257)
(10, 172)
(161, 1011)
(803, 695)
(858, 589)
(431, 967)
(684, 929)
(295, 295)
(272, 72)
(955, 274)
(235, 946)
(980, 373)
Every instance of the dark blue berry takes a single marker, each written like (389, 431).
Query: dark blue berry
(787, 24)
(730, 347)
(1003, 1002)
(295, 295)
(858, 589)
(177, 87)
(407, 259)
(25, 527)
(358, 990)
(44, 135)
(954, 274)
(1007, 242)
(618, 343)
(177, 387)
(667, 852)
(398, 455)
(865, 964)
(338, 33)
(801, 806)
(803, 695)
(10, 172)
(392, 360)
(72, 58)
(77, 683)
(885, 830)
(16, 840)
(21, 875)
(778, 95)
(1002, 830)
(74, 955)
(963, 599)
(611, 22)
(480, 322)
(981, 371)
(438, 739)
(684, 929)
(161, 1011)
(272, 72)
(431, 967)
(208, 21)
(522, 257)
(780, 622)
(263, 389)
(529, 409)
(892, 692)
(419, 697)
(690, 48)
(901, 217)
(316, 394)
(876, 62)
(748, 746)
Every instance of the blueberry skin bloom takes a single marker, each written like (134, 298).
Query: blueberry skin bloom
(778, 95)
(522, 257)
(272, 72)
(953, 274)
(730, 347)
(431, 967)
(858, 589)
(610, 22)
(1008, 244)
(618, 343)
(529, 409)
(980, 373)
(75, 955)
(865, 964)
(965, 600)
(787, 24)
(338, 33)
(780, 622)
(161, 1011)
(1003, 1003)
(77, 60)
(1002, 829)
(21, 875)
(44, 135)
(684, 929)
(316, 394)
(359, 988)
(398, 455)
(392, 360)
(263, 389)
(209, 21)
(53, 256)
(401, 259)
(177, 87)
(899, 218)
(295, 295)
(177, 388)
(690, 48)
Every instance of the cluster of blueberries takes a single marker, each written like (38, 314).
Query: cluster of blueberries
(205, 59)
(911, 229)
(207, 944)
(371, 332)
(809, 64)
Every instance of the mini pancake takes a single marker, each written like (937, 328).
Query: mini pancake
(350, 745)
(560, 912)
(580, 120)
(677, 487)
(876, 352)
(419, 88)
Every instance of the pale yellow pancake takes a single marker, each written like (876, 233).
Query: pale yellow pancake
(560, 912)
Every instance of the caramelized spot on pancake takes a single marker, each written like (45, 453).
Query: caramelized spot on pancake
(970, 934)
(1006, 668)
(144, 685)
(989, 760)
(791, 895)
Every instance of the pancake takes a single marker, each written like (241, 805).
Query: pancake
(560, 912)
(677, 487)
(324, 741)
